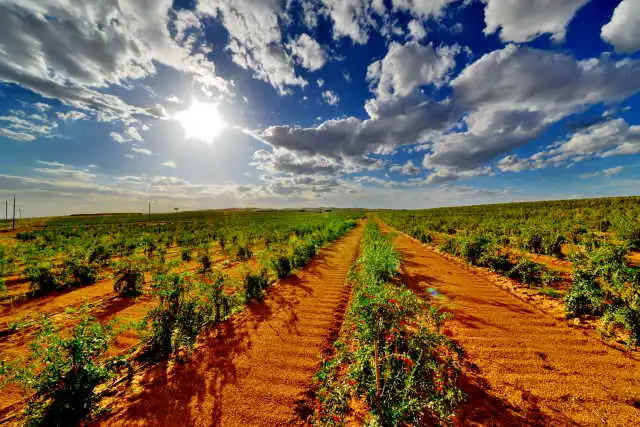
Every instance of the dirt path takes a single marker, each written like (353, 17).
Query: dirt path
(256, 368)
(527, 368)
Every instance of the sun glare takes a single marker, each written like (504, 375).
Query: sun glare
(201, 121)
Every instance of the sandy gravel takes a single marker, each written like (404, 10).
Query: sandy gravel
(257, 367)
(527, 367)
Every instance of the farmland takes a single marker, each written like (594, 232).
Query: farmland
(469, 315)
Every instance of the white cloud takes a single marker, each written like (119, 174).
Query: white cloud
(174, 99)
(112, 43)
(330, 97)
(407, 169)
(351, 18)
(524, 21)
(308, 52)
(512, 95)
(255, 39)
(117, 137)
(133, 134)
(393, 123)
(42, 107)
(143, 151)
(623, 30)
(416, 30)
(169, 164)
(63, 171)
(71, 115)
(423, 8)
(20, 129)
(15, 135)
(605, 139)
(406, 67)
(320, 82)
(606, 172)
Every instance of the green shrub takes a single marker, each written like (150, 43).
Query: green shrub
(177, 319)
(254, 285)
(495, 261)
(281, 265)
(585, 296)
(450, 246)
(525, 271)
(243, 253)
(128, 282)
(43, 278)
(628, 230)
(80, 274)
(205, 262)
(64, 372)
(472, 248)
(100, 255)
(186, 255)
(394, 356)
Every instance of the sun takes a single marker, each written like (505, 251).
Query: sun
(201, 121)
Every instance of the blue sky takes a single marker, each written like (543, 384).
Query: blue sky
(365, 103)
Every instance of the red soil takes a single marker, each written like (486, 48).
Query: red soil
(255, 368)
(526, 367)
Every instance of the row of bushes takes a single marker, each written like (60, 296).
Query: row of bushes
(391, 355)
(65, 370)
(483, 252)
(603, 282)
(605, 285)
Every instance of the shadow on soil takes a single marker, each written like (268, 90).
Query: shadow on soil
(192, 393)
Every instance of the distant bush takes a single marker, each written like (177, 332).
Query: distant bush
(80, 274)
(254, 285)
(186, 255)
(281, 265)
(628, 230)
(525, 271)
(243, 253)
(128, 282)
(42, 277)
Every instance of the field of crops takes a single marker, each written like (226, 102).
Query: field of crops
(328, 317)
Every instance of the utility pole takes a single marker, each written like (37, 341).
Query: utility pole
(13, 226)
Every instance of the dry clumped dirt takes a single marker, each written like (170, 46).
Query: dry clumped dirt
(256, 368)
(525, 366)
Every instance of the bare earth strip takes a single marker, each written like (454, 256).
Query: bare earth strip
(255, 368)
(527, 367)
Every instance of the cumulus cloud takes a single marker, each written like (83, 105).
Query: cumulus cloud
(407, 169)
(523, 21)
(112, 43)
(169, 164)
(255, 39)
(623, 30)
(608, 139)
(416, 30)
(308, 52)
(117, 137)
(515, 93)
(392, 123)
(350, 18)
(406, 67)
(330, 97)
(423, 8)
